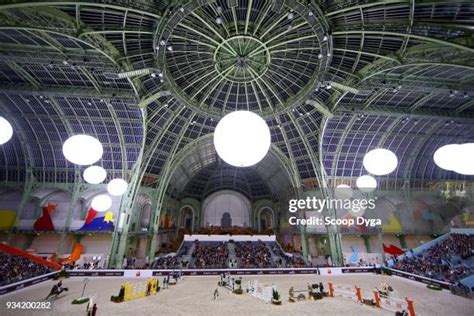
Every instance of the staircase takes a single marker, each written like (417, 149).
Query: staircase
(232, 256)
(276, 258)
(187, 256)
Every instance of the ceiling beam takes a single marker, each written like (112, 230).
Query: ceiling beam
(397, 111)
(58, 91)
(363, 6)
(100, 5)
(417, 37)
(464, 107)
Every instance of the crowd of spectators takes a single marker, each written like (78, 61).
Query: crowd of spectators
(294, 261)
(170, 262)
(253, 254)
(208, 255)
(17, 268)
(439, 261)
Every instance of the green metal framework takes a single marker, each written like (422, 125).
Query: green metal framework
(320, 73)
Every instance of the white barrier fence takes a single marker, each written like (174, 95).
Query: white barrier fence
(262, 292)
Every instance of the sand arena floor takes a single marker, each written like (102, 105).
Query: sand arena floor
(194, 296)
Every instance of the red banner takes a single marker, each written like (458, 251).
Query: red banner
(17, 252)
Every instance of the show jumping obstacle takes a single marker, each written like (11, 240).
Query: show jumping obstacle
(394, 304)
(346, 291)
(131, 291)
(389, 303)
(262, 292)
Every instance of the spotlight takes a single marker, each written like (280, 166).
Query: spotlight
(170, 48)
(290, 15)
(325, 38)
(218, 20)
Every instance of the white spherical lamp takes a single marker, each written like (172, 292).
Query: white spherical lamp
(101, 203)
(242, 138)
(465, 163)
(94, 175)
(380, 161)
(117, 187)
(366, 183)
(343, 192)
(82, 149)
(6, 131)
(446, 156)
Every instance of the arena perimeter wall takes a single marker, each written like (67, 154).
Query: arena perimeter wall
(210, 272)
(22, 284)
(419, 278)
(191, 272)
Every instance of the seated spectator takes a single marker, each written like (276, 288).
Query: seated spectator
(17, 268)
(439, 261)
(210, 255)
(253, 254)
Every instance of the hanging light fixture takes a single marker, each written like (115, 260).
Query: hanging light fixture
(380, 161)
(117, 187)
(242, 138)
(456, 157)
(6, 130)
(101, 203)
(343, 192)
(465, 163)
(94, 174)
(82, 149)
(366, 183)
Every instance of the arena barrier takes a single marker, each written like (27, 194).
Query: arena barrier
(262, 292)
(394, 304)
(419, 278)
(28, 282)
(146, 273)
(131, 291)
(346, 291)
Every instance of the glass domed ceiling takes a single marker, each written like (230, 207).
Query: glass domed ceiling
(242, 55)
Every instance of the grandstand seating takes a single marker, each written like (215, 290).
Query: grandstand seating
(254, 255)
(209, 254)
(18, 268)
(449, 260)
(213, 254)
